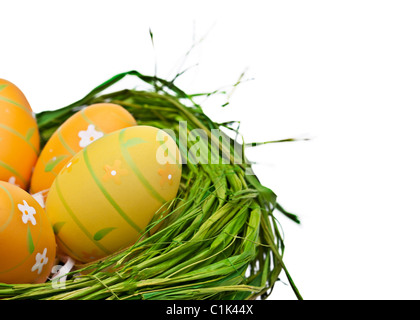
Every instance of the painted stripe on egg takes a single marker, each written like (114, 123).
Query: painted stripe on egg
(12, 212)
(134, 168)
(14, 103)
(63, 243)
(12, 170)
(64, 143)
(84, 116)
(76, 220)
(18, 265)
(107, 195)
(2, 126)
(56, 229)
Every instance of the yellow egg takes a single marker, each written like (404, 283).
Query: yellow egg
(108, 193)
(27, 243)
(19, 136)
(74, 134)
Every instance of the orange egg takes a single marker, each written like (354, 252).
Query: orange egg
(73, 135)
(27, 242)
(19, 136)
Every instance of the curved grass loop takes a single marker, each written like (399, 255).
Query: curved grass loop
(219, 239)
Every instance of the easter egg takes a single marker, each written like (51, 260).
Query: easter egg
(19, 136)
(77, 132)
(27, 242)
(105, 197)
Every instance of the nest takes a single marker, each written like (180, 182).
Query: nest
(219, 240)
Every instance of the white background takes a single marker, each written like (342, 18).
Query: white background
(344, 73)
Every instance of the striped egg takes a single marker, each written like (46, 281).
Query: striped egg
(19, 136)
(77, 132)
(108, 193)
(27, 243)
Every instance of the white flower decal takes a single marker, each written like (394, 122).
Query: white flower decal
(41, 261)
(88, 136)
(27, 212)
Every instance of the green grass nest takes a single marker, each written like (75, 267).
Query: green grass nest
(220, 239)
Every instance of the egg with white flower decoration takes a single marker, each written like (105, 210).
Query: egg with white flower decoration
(77, 132)
(28, 247)
(19, 136)
(106, 196)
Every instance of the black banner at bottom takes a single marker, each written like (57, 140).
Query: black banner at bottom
(153, 310)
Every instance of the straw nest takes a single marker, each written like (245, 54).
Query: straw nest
(220, 238)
